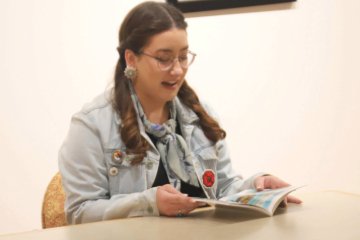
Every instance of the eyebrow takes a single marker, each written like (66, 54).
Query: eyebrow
(169, 50)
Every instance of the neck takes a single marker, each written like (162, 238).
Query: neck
(156, 112)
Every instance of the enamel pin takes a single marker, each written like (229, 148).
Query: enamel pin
(117, 154)
(208, 178)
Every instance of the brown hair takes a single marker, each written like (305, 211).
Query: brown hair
(141, 23)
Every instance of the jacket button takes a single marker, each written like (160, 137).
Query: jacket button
(117, 154)
(113, 171)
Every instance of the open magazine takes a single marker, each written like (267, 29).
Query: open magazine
(266, 201)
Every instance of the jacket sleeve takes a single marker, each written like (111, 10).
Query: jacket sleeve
(86, 181)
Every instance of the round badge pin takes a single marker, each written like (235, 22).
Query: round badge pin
(208, 178)
(117, 154)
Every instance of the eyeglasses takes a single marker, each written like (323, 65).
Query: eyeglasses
(167, 63)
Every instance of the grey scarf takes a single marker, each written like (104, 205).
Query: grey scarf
(172, 147)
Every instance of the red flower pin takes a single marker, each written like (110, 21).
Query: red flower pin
(208, 178)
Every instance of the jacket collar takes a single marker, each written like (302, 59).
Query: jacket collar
(185, 114)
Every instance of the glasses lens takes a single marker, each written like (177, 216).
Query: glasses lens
(190, 59)
(185, 61)
(165, 65)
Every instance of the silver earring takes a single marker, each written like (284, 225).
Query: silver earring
(130, 72)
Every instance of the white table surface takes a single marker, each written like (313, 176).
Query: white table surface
(323, 215)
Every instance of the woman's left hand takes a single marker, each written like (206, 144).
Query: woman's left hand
(272, 182)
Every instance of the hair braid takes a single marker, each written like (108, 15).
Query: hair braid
(210, 126)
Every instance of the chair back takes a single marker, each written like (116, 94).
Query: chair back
(53, 214)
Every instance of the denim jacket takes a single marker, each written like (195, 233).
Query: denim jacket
(99, 186)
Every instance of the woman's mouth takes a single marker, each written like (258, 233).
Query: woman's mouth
(170, 84)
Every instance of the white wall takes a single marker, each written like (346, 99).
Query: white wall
(284, 79)
(286, 84)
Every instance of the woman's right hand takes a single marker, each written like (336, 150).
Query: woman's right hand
(171, 202)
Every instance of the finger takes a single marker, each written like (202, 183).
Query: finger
(187, 202)
(259, 183)
(169, 203)
(201, 204)
(179, 200)
(281, 183)
(273, 182)
(170, 189)
(184, 201)
(177, 203)
(187, 208)
(292, 199)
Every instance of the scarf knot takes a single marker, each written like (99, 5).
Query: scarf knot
(172, 147)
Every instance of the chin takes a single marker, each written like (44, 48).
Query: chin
(170, 98)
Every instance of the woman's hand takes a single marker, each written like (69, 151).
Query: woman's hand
(272, 182)
(171, 202)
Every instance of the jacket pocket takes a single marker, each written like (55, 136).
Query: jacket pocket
(123, 177)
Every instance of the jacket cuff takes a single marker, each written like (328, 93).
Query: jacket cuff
(150, 197)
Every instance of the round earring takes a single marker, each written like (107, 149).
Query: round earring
(130, 72)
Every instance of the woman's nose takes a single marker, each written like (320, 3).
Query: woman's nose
(177, 69)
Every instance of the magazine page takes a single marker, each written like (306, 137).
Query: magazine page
(224, 204)
(268, 199)
(265, 201)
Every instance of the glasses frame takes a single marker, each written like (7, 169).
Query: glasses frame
(158, 60)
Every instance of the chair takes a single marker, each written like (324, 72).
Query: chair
(53, 214)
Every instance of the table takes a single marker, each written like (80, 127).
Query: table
(323, 215)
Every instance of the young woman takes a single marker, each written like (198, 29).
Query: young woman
(148, 145)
